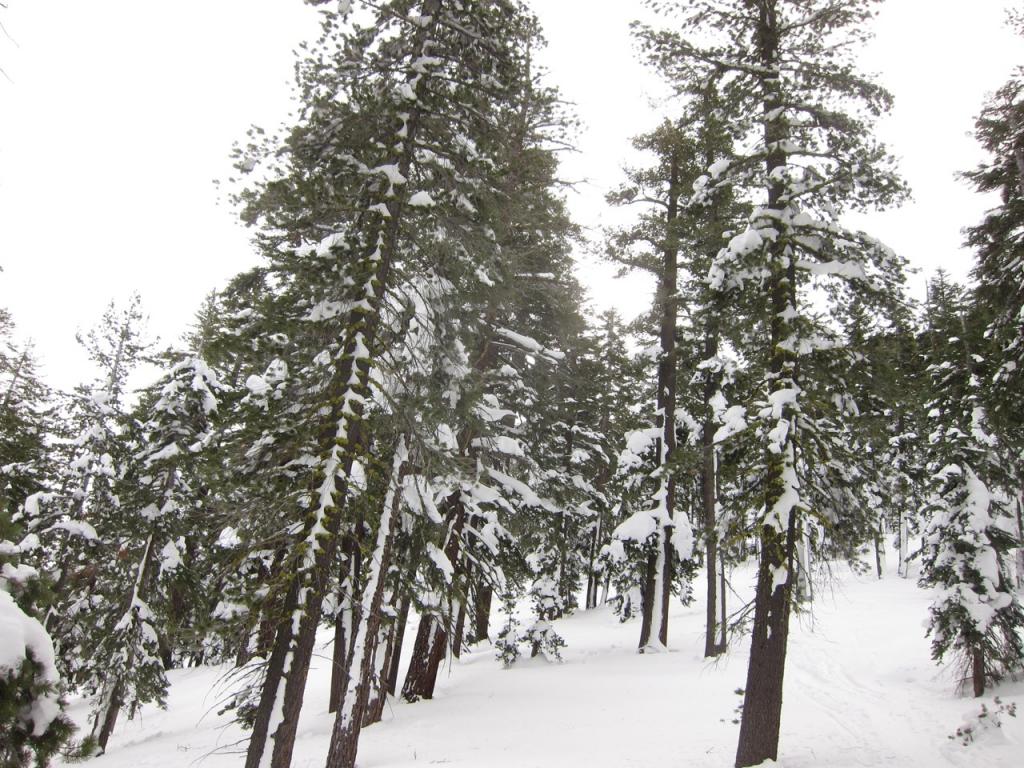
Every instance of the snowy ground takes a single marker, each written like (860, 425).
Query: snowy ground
(860, 690)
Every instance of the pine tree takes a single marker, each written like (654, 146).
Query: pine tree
(998, 270)
(89, 456)
(658, 529)
(395, 159)
(976, 615)
(25, 421)
(160, 510)
(32, 724)
(788, 68)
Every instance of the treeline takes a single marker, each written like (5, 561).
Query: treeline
(407, 408)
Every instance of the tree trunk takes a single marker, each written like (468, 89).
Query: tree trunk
(349, 719)
(709, 504)
(427, 654)
(880, 549)
(345, 618)
(593, 575)
(762, 705)
(723, 625)
(266, 711)
(378, 695)
(104, 726)
(340, 655)
(804, 587)
(762, 702)
(904, 568)
(460, 630)
(1020, 538)
(482, 612)
(398, 637)
(978, 671)
(432, 637)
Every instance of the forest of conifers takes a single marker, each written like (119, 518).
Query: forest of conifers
(406, 410)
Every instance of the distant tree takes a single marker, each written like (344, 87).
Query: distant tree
(160, 511)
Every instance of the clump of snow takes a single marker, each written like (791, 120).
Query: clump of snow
(421, 199)
(440, 559)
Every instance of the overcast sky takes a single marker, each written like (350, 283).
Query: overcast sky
(119, 114)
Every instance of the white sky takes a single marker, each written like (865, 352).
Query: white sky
(120, 113)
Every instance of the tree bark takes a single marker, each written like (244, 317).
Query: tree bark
(482, 612)
(978, 671)
(427, 654)
(345, 619)
(709, 502)
(274, 674)
(880, 549)
(104, 726)
(762, 702)
(398, 637)
(723, 625)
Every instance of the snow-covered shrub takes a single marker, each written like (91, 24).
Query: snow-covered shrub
(985, 720)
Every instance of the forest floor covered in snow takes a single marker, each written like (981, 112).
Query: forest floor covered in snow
(860, 690)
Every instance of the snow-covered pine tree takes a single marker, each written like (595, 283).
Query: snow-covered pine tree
(998, 242)
(160, 509)
(654, 244)
(976, 615)
(32, 724)
(707, 357)
(524, 318)
(80, 519)
(393, 160)
(25, 421)
(806, 114)
(611, 405)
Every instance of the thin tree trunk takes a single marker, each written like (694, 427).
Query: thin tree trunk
(710, 505)
(904, 569)
(460, 630)
(398, 634)
(978, 671)
(482, 612)
(427, 653)
(349, 719)
(268, 710)
(345, 619)
(660, 566)
(377, 697)
(340, 655)
(880, 549)
(104, 726)
(723, 623)
(432, 636)
(1020, 538)
(593, 576)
